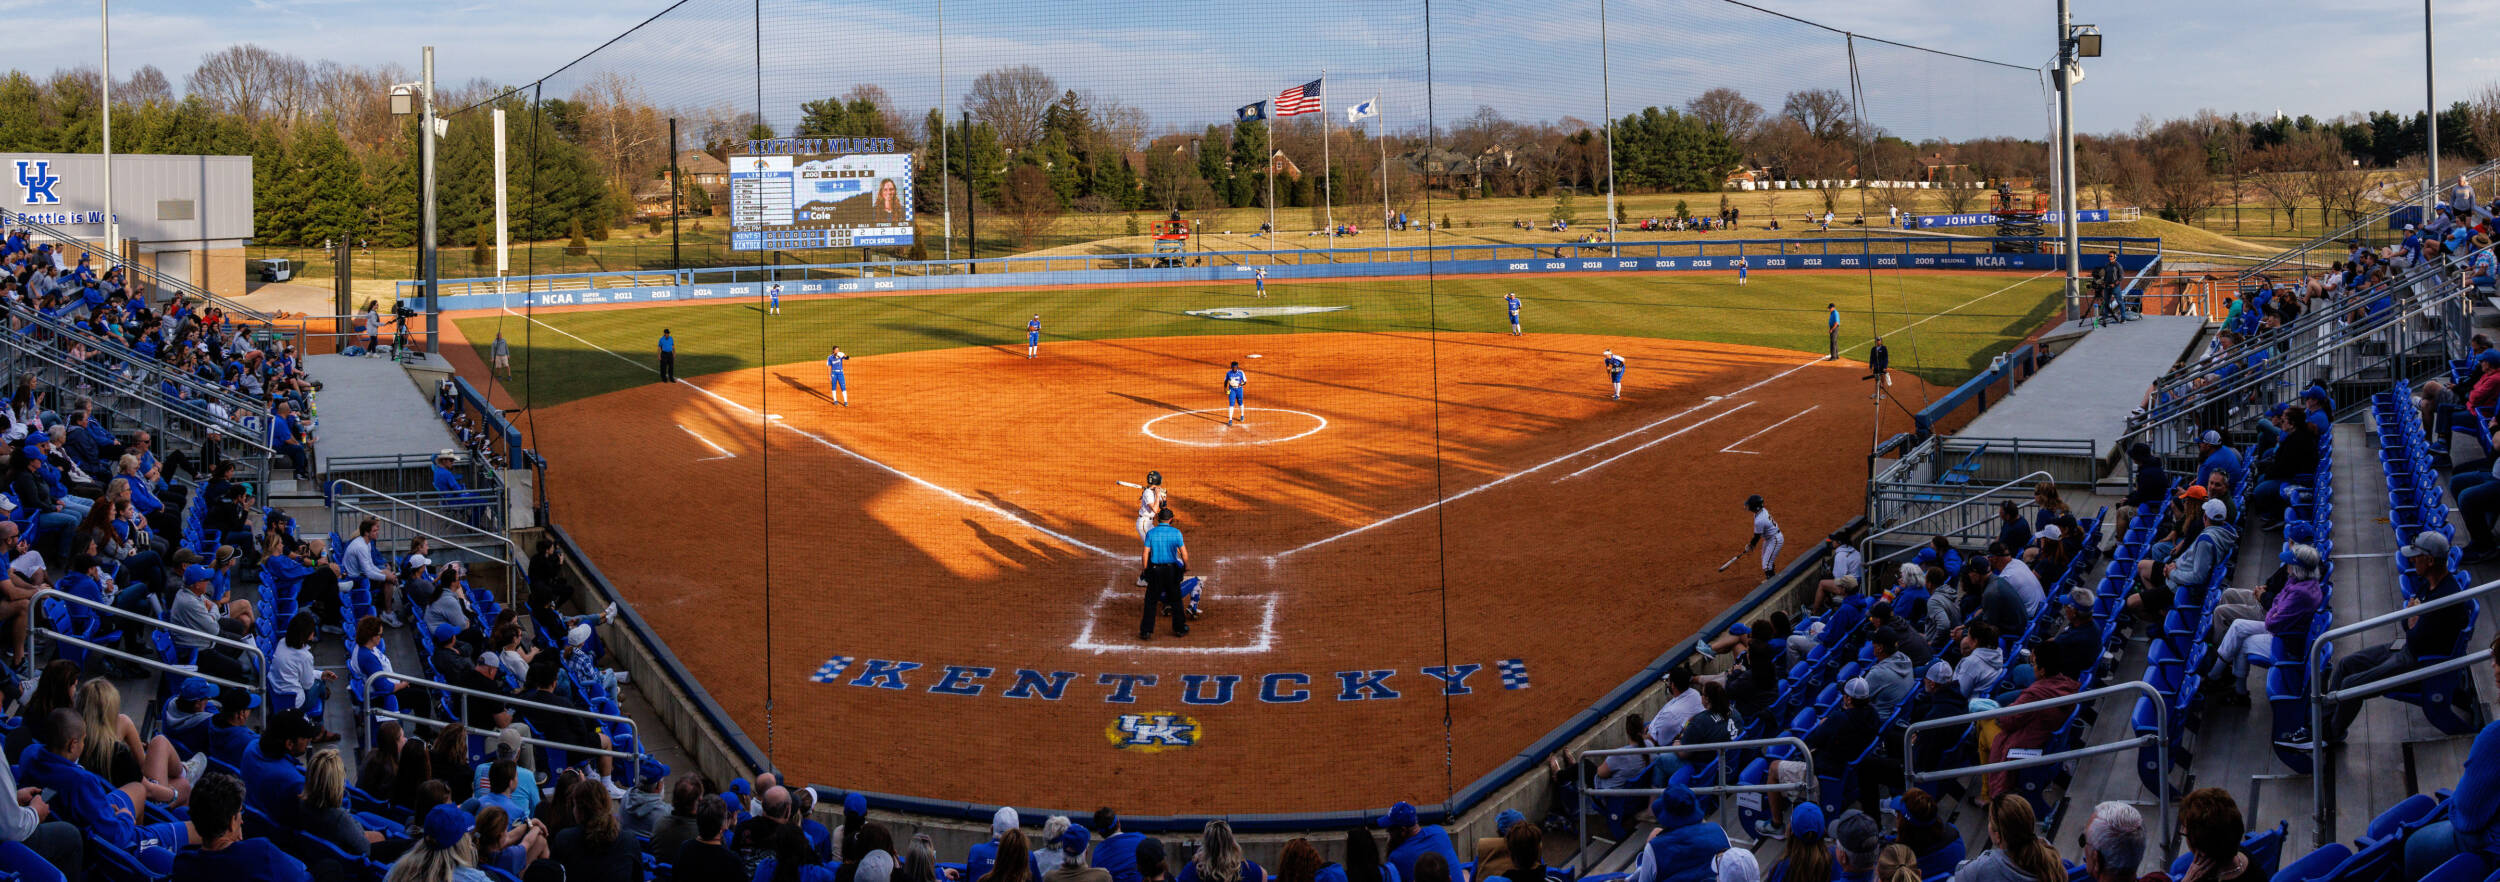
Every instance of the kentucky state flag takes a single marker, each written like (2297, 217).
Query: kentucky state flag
(1251, 111)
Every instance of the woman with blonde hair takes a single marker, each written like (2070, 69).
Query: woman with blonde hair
(446, 853)
(1219, 858)
(325, 814)
(115, 752)
(1896, 863)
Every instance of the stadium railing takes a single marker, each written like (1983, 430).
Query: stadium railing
(2014, 366)
(1721, 787)
(139, 400)
(2340, 237)
(404, 519)
(62, 335)
(411, 477)
(1832, 253)
(2322, 785)
(1984, 502)
(375, 714)
(135, 272)
(41, 627)
(2378, 350)
(2159, 739)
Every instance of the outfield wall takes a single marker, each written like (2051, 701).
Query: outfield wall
(1767, 255)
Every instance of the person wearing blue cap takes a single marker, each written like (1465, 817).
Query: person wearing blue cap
(1410, 839)
(1493, 853)
(437, 855)
(1681, 849)
(1073, 867)
(1809, 857)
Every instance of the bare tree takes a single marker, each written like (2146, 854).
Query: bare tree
(250, 82)
(2334, 180)
(2181, 183)
(147, 85)
(1823, 112)
(349, 98)
(889, 115)
(1958, 194)
(2279, 174)
(621, 129)
(1729, 110)
(1029, 203)
(1011, 100)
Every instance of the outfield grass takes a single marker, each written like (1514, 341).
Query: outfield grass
(1988, 313)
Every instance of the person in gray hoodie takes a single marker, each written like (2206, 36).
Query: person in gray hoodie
(2204, 554)
(1892, 677)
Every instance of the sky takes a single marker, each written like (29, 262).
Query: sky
(1191, 62)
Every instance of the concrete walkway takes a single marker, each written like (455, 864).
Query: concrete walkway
(372, 407)
(2088, 390)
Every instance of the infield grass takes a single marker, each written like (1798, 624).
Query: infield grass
(1943, 326)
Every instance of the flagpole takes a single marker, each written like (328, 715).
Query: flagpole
(1327, 182)
(1606, 91)
(1380, 134)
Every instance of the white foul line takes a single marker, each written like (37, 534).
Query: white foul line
(541, 323)
(916, 479)
(1653, 442)
(1765, 430)
(707, 442)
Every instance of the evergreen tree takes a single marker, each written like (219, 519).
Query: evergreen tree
(327, 186)
(1213, 148)
(1250, 163)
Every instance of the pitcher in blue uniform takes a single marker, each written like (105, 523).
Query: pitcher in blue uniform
(1233, 380)
(836, 387)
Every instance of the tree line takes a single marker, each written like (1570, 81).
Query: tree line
(331, 163)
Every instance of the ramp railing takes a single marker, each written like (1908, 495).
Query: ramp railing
(243, 315)
(2160, 739)
(2322, 784)
(374, 714)
(178, 425)
(2338, 237)
(1804, 755)
(44, 629)
(450, 522)
(1958, 512)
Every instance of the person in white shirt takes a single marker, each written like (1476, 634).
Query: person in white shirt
(2023, 579)
(294, 682)
(1683, 704)
(363, 560)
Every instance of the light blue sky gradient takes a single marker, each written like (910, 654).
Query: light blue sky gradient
(1188, 63)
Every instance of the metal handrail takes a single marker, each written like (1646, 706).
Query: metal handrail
(340, 505)
(2317, 318)
(2160, 739)
(2302, 250)
(157, 371)
(1804, 754)
(513, 701)
(113, 258)
(1868, 543)
(2322, 785)
(160, 624)
(109, 378)
(2280, 365)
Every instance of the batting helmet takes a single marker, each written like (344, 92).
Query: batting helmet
(1157, 478)
(1754, 502)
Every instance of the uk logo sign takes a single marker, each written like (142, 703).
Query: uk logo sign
(1152, 732)
(36, 176)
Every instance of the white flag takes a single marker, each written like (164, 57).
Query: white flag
(1360, 112)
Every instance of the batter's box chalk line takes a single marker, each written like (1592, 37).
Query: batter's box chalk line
(1123, 585)
(1318, 423)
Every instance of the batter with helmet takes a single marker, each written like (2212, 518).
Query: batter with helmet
(1150, 499)
(1766, 536)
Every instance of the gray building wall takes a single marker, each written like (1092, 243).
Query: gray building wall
(180, 201)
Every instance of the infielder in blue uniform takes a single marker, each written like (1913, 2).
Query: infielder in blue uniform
(1033, 337)
(1511, 301)
(1614, 372)
(1233, 380)
(836, 388)
(1259, 278)
(1741, 267)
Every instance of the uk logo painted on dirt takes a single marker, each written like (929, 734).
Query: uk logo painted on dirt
(1153, 732)
(1204, 690)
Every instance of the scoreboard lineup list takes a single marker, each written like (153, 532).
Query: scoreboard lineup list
(800, 193)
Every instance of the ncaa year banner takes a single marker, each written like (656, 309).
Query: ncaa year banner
(797, 193)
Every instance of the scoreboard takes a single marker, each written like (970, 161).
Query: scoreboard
(797, 193)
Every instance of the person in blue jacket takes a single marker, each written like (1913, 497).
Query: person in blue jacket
(1117, 852)
(1409, 840)
(1685, 842)
(273, 771)
(108, 816)
(2219, 457)
(2473, 822)
(222, 852)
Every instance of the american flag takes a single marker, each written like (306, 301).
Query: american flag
(1298, 100)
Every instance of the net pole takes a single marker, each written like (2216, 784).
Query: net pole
(1327, 181)
(1380, 135)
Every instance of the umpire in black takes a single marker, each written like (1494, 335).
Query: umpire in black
(1166, 558)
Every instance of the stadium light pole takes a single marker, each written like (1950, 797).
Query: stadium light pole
(112, 230)
(2068, 72)
(2430, 117)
